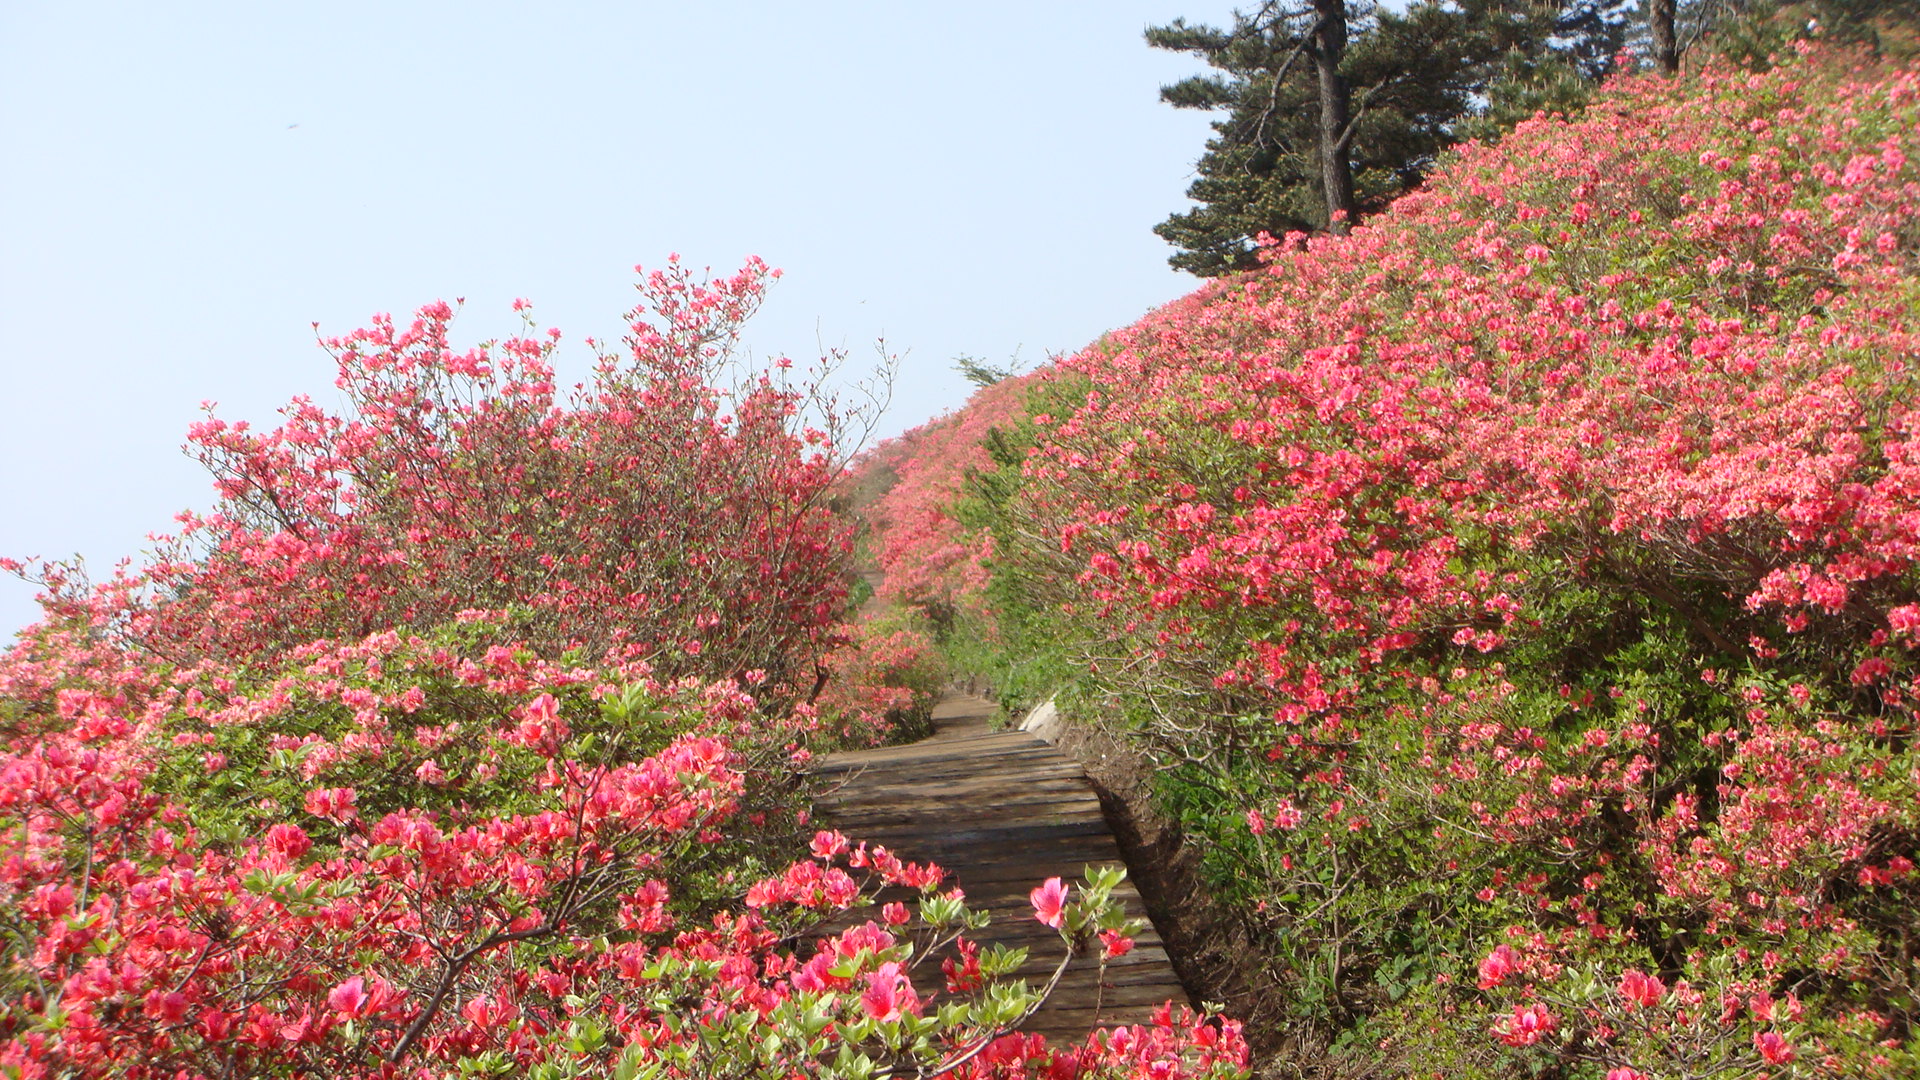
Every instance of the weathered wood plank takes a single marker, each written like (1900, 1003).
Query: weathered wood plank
(910, 771)
(1064, 787)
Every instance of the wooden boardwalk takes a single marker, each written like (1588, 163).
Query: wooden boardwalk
(1002, 812)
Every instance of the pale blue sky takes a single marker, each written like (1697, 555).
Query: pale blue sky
(188, 187)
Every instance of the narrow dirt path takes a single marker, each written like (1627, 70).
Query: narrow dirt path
(1002, 812)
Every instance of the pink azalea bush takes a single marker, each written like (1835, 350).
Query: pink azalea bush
(885, 682)
(476, 865)
(656, 513)
(1522, 593)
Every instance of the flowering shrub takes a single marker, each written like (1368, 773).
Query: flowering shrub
(886, 680)
(654, 514)
(1535, 570)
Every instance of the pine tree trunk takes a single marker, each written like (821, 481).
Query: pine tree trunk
(1336, 171)
(1666, 47)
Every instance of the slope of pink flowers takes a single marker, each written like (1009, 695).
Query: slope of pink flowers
(1523, 592)
(927, 560)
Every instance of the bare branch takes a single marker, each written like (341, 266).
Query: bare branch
(1279, 76)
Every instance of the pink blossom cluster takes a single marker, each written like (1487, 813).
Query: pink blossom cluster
(884, 680)
(346, 941)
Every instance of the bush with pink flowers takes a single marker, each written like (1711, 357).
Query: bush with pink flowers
(671, 510)
(927, 562)
(439, 857)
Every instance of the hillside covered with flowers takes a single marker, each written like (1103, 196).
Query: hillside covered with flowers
(1518, 598)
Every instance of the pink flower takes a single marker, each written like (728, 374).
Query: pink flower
(827, 845)
(1775, 1049)
(334, 804)
(288, 840)
(1048, 900)
(1625, 1074)
(1527, 1026)
(349, 999)
(1115, 943)
(815, 975)
(543, 709)
(889, 994)
(485, 1013)
(1499, 964)
(1642, 989)
(167, 1006)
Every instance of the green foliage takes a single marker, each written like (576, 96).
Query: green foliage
(292, 743)
(1526, 86)
(1017, 651)
(415, 727)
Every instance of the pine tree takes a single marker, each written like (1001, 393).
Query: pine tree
(1666, 45)
(1330, 108)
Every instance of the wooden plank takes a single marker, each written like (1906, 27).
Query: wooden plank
(1007, 748)
(978, 801)
(994, 802)
(1062, 856)
(936, 747)
(959, 787)
(1034, 763)
(943, 741)
(1035, 826)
